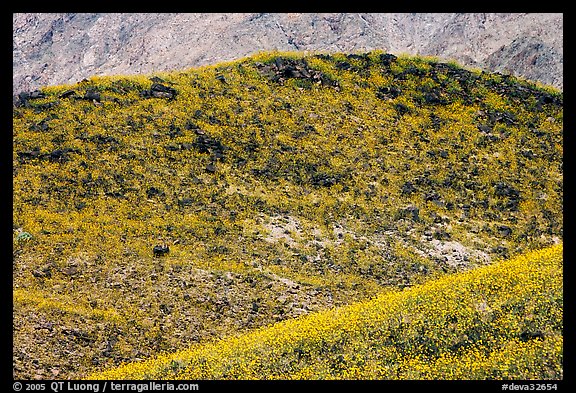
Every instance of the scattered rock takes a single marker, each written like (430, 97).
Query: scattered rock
(45, 325)
(432, 196)
(29, 154)
(452, 253)
(153, 191)
(41, 107)
(41, 126)
(36, 94)
(71, 270)
(410, 70)
(546, 99)
(67, 93)
(511, 195)
(79, 335)
(211, 168)
(504, 117)
(343, 65)
(503, 189)
(441, 234)
(158, 90)
(504, 230)
(45, 272)
(282, 69)
(165, 309)
(324, 180)
(528, 153)
(410, 212)
(185, 202)
(174, 131)
(198, 113)
(388, 93)
(103, 139)
(98, 139)
(60, 155)
(538, 133)
(172, 147)
(92, 95)
(190, 125)
(115, 194)
(156, 79)
(24, 97)
(501, 251)
(484, 128)
(206, 144)
(401, 109)
(110, 343)
(214, 120)
(387, 58)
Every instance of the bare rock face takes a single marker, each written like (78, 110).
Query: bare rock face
(53, 49)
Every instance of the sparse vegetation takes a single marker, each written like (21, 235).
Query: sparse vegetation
(284, 185)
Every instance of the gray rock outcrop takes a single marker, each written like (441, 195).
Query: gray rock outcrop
(65, 48)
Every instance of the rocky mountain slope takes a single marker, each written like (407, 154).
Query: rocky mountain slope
(66, 48)
(156, 212)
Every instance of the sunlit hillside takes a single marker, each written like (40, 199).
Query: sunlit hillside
(156, 213)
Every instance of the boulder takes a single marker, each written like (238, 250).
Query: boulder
(206, 144)
(67, 93)
(41, 126)
(92, 95)
(159, 251)
(36, 94)
(387, 58)
(502, 189)
(158, 90)
(504, 230)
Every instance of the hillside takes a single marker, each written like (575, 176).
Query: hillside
(502, 321)
(58, 48)
(282, 184)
